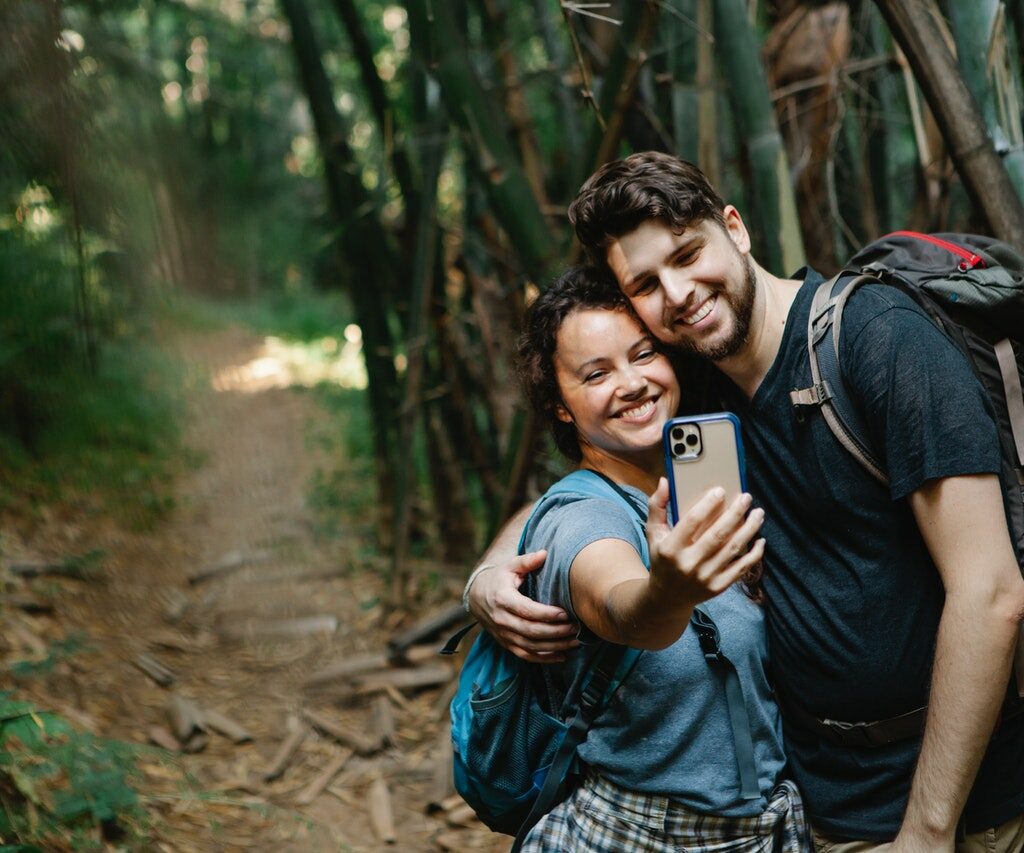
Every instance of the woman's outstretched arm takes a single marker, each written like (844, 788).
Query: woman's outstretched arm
(709, 549)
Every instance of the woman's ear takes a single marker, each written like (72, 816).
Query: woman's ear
(563, 414)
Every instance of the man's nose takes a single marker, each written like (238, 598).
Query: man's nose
(677, 287)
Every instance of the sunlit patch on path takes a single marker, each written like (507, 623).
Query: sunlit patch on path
(281, 364)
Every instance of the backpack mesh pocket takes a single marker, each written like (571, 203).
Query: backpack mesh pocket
(512, 738)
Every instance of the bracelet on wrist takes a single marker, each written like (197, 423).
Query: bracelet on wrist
(483, 567)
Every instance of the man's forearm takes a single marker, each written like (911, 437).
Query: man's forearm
(972, 663)
(505, 545)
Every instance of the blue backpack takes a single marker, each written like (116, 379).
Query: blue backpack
(514, 755)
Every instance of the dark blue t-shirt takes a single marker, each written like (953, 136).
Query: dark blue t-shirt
(854, 599)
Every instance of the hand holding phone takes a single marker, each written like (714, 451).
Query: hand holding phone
(707, 551)
(707, 545)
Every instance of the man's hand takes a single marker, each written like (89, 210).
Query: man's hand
(535, 632)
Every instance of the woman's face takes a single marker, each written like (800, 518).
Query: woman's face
(616, 388)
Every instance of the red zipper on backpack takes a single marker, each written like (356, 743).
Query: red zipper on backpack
(969, 260)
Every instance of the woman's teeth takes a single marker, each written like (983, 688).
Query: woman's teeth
(701, 312)
(641, 411)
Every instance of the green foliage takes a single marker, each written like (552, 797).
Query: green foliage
(59, 787)
(342, 494)
(296, 314)
(59, 650)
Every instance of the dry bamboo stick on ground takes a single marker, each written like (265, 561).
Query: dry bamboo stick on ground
(358, 742)
(286, 752)
(225, 725)
(382, 819)
(324, 778)
(161, 674)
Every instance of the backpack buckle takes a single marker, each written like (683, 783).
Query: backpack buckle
(815, 396)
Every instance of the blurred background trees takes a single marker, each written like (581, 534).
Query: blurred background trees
(418, 157)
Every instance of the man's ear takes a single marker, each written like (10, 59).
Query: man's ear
(563, 414)
(736, 228)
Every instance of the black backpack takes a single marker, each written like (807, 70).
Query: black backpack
(973, 289)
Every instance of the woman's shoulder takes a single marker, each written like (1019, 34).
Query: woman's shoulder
(574, 509)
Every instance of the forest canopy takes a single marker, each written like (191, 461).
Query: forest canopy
(418, 158)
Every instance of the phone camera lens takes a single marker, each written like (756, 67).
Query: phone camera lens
(677, 433)
(691, 440)
(678, 449)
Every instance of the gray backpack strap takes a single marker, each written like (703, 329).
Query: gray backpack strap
(828, 391)
(1014, 395)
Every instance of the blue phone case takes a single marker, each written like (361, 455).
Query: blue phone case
(716, 417)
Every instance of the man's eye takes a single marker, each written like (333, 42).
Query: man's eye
(645, 286)
(684, 258)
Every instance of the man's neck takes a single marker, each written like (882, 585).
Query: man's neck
(773, 300)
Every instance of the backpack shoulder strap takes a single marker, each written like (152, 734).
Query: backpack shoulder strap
(606, 676)
(590, 483)
(828, 392)
(739, 719)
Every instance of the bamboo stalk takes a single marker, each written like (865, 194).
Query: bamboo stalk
(920, 33)
(772, 198)
(423, 280)
(441, 47)
(980, 39)
(495, 30)
(374, 86)
(364, 241)
(619, 85)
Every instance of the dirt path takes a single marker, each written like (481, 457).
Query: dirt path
(232, 642)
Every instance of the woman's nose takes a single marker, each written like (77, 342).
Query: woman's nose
(633, 382)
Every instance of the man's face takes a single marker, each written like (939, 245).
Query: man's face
(694, 290)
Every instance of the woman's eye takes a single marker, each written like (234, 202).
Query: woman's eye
(685, 258)
(593, 377)
(645, 355)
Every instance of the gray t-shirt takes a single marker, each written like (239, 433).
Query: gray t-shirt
(667, 730)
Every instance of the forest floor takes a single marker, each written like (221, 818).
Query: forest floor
(286, 599)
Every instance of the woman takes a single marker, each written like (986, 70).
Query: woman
(662, 762)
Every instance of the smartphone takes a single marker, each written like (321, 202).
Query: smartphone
(701, 452)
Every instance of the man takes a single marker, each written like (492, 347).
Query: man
(879, 600)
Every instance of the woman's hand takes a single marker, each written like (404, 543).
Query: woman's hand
(539, 633)
(706, 552)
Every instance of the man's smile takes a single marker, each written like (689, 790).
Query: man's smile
(700, 312)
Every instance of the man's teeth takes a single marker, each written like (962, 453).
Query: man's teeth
(641, 411)
(701, 312)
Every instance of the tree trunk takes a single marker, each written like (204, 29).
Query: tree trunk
(362, 241)
(772, 198)
(423, 274)
(378, 98)
(618, 88)
(978, 42)
(917, 29)
(440, 46)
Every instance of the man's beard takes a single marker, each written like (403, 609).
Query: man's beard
(742, 304)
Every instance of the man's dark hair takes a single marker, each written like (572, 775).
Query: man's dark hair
(623, 194)
(578, 288)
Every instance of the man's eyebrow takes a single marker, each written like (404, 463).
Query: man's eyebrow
(686, 245)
